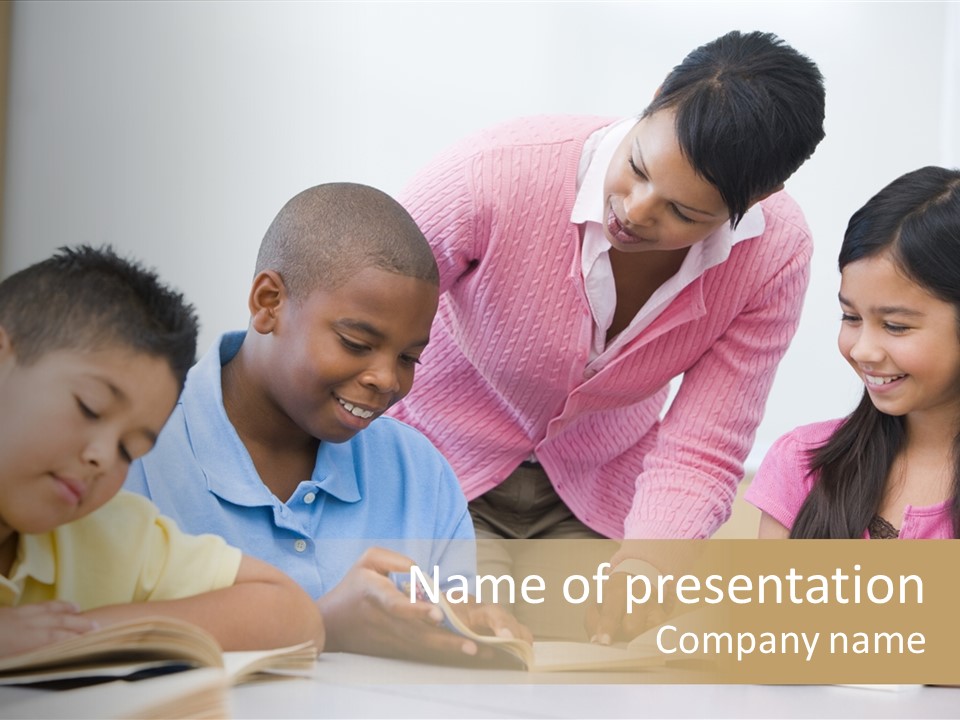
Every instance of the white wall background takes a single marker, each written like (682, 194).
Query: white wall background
(175, 131)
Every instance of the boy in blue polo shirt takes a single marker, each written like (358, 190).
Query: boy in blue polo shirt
(265, 449)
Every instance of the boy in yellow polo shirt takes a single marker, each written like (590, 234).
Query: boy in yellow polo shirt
(94, 351)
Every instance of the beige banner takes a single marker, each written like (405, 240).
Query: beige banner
(729, 611)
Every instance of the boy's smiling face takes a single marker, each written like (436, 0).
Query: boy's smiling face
(341, 357)
(71, 423)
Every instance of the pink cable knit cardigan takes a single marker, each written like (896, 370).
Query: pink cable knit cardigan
(504, 374)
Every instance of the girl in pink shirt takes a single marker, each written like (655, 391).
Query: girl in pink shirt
(892, 468)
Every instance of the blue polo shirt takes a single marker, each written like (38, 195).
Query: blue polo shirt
(388, 487)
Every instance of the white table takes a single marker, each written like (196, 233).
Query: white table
(352, 686)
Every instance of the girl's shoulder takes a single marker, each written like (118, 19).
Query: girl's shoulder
(811, 435)
(791, 452)
(783, 480)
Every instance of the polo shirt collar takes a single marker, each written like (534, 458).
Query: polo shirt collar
(35, 559)
(227, 466)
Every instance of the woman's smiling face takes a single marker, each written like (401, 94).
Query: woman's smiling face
(653, 198)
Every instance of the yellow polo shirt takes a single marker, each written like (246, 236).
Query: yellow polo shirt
(124, 552)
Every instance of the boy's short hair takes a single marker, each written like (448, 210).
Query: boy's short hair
(86, 298)
(749, 110)
(329, 231)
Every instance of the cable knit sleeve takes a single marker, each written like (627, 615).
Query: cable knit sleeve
(690, 477)
(440, 198)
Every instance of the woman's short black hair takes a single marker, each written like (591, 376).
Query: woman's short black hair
(749, 112)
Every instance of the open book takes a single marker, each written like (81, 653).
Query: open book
(565, 656)
(146, 647)
(200, 693)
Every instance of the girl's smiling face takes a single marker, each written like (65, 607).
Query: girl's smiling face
(902, 341)
(653, 197)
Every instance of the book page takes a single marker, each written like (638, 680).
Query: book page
(296, 660)
(194, 694)
(562, 656)
(147, 647)
(153, 639)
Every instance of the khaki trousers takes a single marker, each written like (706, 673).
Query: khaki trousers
(525, 507)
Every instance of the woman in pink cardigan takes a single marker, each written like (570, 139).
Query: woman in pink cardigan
(585, 262)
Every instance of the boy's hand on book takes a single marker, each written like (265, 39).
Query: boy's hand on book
(366, 613)
(490, 619)
(31, 626)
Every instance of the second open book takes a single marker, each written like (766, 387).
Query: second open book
(567, 656)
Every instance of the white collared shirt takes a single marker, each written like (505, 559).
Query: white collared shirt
(595, 266)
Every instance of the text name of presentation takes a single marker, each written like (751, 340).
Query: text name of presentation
(840, 587)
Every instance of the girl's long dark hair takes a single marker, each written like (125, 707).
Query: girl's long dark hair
(916, 221)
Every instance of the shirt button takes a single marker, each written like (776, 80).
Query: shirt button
(300, 545)
(309, 498)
